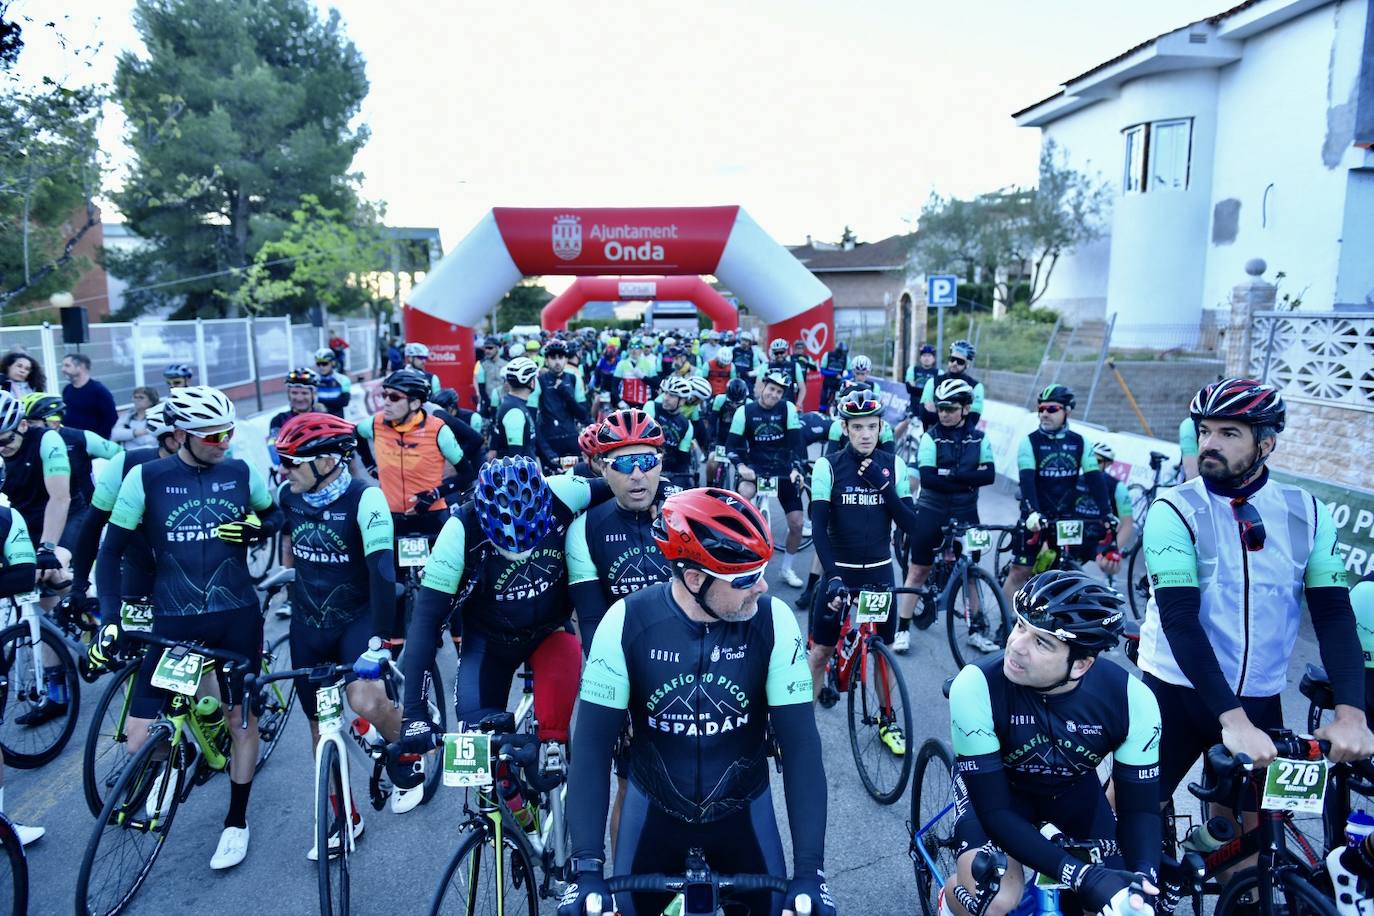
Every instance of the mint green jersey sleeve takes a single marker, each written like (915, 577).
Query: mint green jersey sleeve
(476, 421)
(789, 677)
(434, 386)
(1025, 455)
(1362, 601)
(100, 447)
(479, 373)
(573, 492)
(903, 478)
(444, 571)
(605, 677)
(579, 389)
(259, 495)
(1170, 555)
(53, 452)
(1141, 745)
(822, 480)
(925, 452)
(448, 444)
(577, 554)
(1124, 509)
(1187, 437)
(928, 392)
(971, 729)
(364, 428)
(686, 444)
(620, 367)
(1089, 460)
(651, 408)
(737, 422)
(345, 383)
(107, 485)
(910, 375)
(836, 431)
(532, 402)
(374, 521)
(793, 417)
(885, 433)
(18, 544)
(977, 406)
(129, 504)
(985, 455)
(514, 424)
(1324, 565)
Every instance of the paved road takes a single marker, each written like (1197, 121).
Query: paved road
(400, 859)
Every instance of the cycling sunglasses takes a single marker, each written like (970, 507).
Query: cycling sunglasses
(1049, 408)
(293, 461)
(8, 439)
(394, 396)
(626, 464)
(216, 438)
(960, 361)
(948, 406)
(324, 362)
(740, 581)
(1251, 525)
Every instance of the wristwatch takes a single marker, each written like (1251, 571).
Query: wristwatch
(587, 863)
(47, 545)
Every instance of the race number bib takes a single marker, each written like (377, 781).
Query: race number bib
(136, 618)
(874, 607)
(768, 486)
(1069, 533)
(567, 461)
(977, 539)
(178, 673)
(719, 452)
(329, 707)
(1295, 785)
(412, 551)
(467, 760)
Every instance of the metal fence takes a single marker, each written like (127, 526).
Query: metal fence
(126, 355)
(1318, 357)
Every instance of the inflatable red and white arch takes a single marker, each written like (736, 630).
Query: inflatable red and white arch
(510, 243)
(695, 290)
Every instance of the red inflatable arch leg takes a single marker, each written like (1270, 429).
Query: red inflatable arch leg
(814, 327)
(451, 353)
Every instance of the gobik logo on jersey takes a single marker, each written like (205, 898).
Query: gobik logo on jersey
(567, 237)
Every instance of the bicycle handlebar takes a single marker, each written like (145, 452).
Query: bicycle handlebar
(672, 884)
(232, 659)
(1224, 767)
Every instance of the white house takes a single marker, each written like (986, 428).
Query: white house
(1248, 134)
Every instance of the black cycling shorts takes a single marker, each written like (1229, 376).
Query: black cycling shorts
(650, 840)
(311, 646)
(788, 496)
(231, 631)
(930, 533)
(825, 624)
(1188, 729)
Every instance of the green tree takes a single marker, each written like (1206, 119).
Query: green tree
(1015, 236)
(240, 110)
(49, 173)
(521, 305)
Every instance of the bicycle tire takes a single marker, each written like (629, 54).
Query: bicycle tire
(960, 623)
(124, 814)
(865, 719)
(1139, 495)
(19, 693)
(932, 790)
(1299, 896)
(279, 699)
(450, 897)
(330, 820)
(262, 557)
(1137, 581)
(433, 771)
(100, 767)
(17, 883)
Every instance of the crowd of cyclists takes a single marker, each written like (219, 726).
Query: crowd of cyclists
(604, 516)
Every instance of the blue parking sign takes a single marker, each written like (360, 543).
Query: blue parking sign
(942, 289)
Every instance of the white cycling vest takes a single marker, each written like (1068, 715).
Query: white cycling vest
(1251, 601)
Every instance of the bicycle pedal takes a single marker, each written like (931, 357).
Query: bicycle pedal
(829, 696)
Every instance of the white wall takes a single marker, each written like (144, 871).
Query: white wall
(1273, 107)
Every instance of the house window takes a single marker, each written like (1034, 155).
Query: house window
(1157, 156)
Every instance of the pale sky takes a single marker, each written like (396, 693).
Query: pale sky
(811, 115)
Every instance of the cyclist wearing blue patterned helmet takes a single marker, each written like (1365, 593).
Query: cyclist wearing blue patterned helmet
(513, 504)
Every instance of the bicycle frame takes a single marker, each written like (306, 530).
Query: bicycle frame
(331, 731)
(551, 760)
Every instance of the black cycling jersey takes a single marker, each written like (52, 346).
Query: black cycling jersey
(1050, 464)
(334, 392)
(561, 415)
(79, 458)
(852, 520)
(744, 361)
(134, 577)
(514, 433)
(815, 428)
(677, 438)
(330, 548)
(42, 453)
(916, 379)
(722, 413)
(953, 461)
(698, 697)
(767, 439)
(611, 553)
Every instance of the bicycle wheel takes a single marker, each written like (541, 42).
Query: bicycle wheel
(434, 692)
(1293, 895)
(977, 619)
(932, 820)
(23, 694)
(1137, 581)
(14, 872)
(104, 757)
(278, 700)
(330, 821)
(126, 841)
(879, 704)
(262, 556)
(477, 881)
(1139, 496)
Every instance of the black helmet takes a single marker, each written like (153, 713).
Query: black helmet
(1076, 609)
(1058, 394)
(410, 382)
(1242, 399)
(446, 399)
(555, 348)
(737, 391)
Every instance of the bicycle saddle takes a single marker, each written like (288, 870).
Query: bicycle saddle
(284, 576)
(1316, 686)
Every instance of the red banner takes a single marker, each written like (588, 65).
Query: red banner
(451, 354)
(815, 328)
(590, 241)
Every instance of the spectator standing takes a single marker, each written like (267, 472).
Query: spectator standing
(20, 374)
(339, 346)
(131, 430)
(89, 403)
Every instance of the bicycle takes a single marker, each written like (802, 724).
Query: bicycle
(865, 668)
(1142, 497)
(1054, 535)
(513, 826)
(699, 889)
(184, 749)
(37, 666)
(104, 759)
(766, 487)
(1346, 779)
(14, 887)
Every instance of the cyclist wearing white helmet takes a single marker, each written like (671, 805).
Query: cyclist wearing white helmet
(417, 354)
(559, 401)
(489, 375)
(198, 511)
(678, 433)
(514, 432)
(334, 389)
(781, 360)
(1109, 551)
(961, 356)
(38, 482)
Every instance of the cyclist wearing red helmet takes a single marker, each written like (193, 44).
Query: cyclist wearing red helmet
(698, 755)
(1231, 555)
